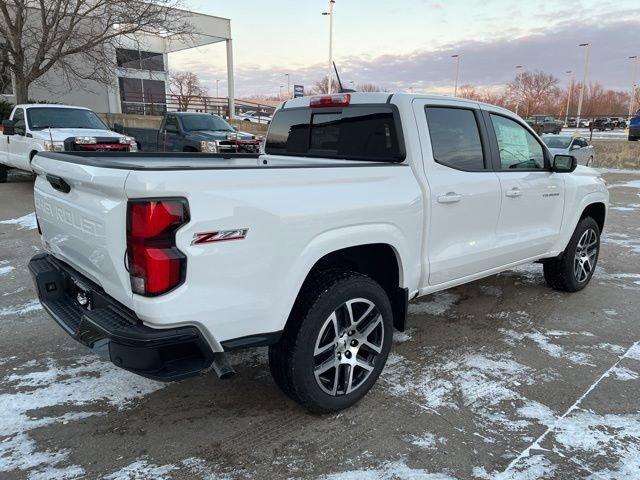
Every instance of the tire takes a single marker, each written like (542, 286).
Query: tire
(573, 270)
(3, 173)
(316, 362)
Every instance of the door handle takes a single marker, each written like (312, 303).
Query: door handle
(450, 197)
(514, 192)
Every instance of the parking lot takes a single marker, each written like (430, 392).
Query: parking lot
(502, 378)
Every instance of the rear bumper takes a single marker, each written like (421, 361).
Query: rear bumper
(112, 330)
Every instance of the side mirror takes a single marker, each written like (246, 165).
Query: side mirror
(8, 127)
(118, 127)
(564, 163)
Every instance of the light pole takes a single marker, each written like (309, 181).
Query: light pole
(217, 88)
(632, 101)
(455, 88)
(519, 93)
(330, 70)
(584, 80)
(566, 114)
(280, 94)
(288, 85)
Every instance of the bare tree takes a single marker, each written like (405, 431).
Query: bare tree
(533, 89)
(186, 87)
(77, 38)
(321, 86)
(368, 87)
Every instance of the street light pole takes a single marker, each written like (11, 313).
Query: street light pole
(566, 114)
(280, 94)
(584, 79)
(632, 101)
(519, 93)
(288, 85)
(217, 88)
(455, 88)
(330, 70)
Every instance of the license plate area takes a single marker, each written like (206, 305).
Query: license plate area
(82, 294)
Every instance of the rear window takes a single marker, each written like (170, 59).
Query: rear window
(355, 133)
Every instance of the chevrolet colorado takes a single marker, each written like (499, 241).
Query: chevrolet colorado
(56, 128)
(361, 202)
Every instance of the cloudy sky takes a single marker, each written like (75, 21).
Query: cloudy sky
(407, 44)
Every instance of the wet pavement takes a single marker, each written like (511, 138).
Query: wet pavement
(502, 378)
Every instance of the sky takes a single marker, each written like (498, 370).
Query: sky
(407, 44)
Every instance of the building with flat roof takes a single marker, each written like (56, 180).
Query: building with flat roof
(140, 79)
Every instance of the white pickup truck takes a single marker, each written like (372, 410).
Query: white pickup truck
(361, 202)
(54, 128)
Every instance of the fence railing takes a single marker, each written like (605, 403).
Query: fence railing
(159, 104)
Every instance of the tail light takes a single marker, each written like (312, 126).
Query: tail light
(155, 263)
(337, 100)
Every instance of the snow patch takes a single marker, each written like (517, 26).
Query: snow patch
(142, 469)
(544, 343)
(624, 374)
(629, 184)
(401, 337)
(89, 382)
(23, 309)
(622, 240)
(438, 304)
(388, 471)
(5, 267)
(27, 221)
(426, 441)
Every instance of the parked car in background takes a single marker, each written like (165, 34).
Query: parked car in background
(618, 122)
(634, 128)
(544, 124)
(360, 203)
(571, 145)
(601, 124)
(255, 117)
(33, 128)
(584, 123)
(571, 123)
(193, 132)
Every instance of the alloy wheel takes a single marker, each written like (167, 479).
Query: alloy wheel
(585, 256)
(348, 344)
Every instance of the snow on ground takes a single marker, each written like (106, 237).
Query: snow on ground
(628, 184)
(84, 389)
(142, 469)
(30, 306)
(27, 221)
(5, 267)
(388, 471)
(616, 134)
(437, 304)
(622, 240)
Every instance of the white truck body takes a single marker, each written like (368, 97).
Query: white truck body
(444, 226)
(18, 150)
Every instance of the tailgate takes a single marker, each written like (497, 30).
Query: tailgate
(81, 210)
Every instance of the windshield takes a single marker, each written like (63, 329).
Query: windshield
(45, 117)
(192, 123)
(557, 142)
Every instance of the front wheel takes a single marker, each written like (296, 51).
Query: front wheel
(3, 173)
(336, 341)
(573, 270)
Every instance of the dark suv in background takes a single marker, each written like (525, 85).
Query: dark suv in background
(634, 128)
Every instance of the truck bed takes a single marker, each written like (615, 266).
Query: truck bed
(157, 160)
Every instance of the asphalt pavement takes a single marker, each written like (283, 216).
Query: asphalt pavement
(502, 378)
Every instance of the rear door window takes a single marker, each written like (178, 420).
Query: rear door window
(368, 133)
(455, 138)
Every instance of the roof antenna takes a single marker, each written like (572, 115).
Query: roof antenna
(342, 89)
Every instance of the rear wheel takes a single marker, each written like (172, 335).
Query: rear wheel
(336, 342)
(573, 270)
(3, 173)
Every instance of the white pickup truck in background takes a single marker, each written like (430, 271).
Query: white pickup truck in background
(37, 128)
(362, 202)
